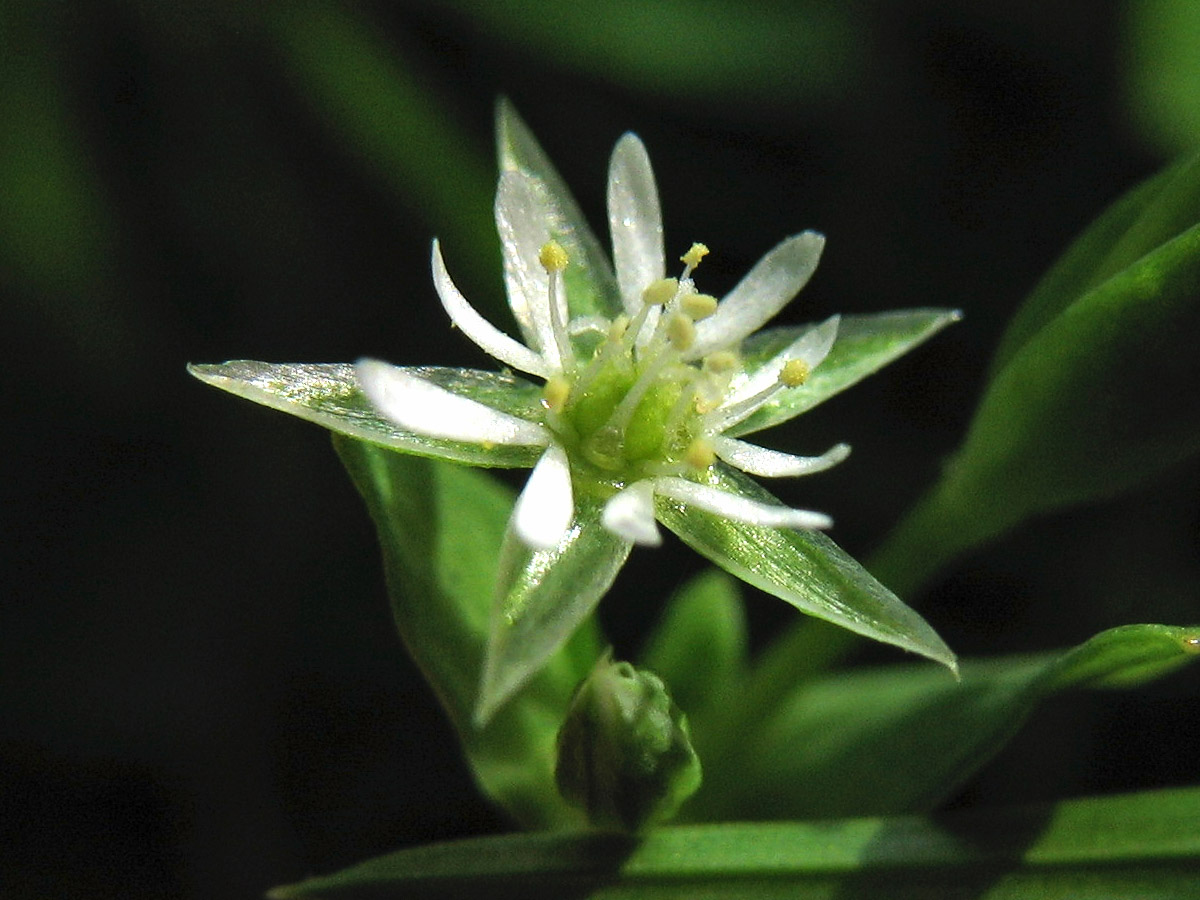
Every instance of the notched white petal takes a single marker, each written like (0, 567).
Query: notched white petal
(742, 509)
(487, 336)
(629, 514)
(765, 290)
(545, 508)
(635, 220)
(417, 405)
(522, 214)
(772, 463)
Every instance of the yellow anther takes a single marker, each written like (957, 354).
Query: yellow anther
(553, 257)
(660, 292)
(681, 332)
(555, 393)
(794, 373)
(699, 454)
(694, 255)
(617, 328)
(698, 306)
(721, 362)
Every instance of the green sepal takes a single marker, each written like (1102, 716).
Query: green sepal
(1144, 845)
(864, 345)
(591, 285)
(624, 752)
(440, 530)
(899, 739)
(329, 395)
(804, 568)
(541, 598)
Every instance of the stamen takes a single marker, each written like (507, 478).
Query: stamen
(555, 393)
(698, 306)
(794, 373)
(554, 259)
(681, 332)
(692, 258)
(660, 292)
(720, 363)
(700, 454)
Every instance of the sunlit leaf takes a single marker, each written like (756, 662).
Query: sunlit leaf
(901, 738)
(864, 345)
(804, 568)
(1138, 845)
(542, 597)
(329, 395)
(440, 529)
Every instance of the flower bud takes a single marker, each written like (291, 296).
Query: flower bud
(624, 753)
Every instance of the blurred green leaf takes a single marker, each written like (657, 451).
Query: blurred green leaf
(1097, 390)
(804, 568)
(1162, 71)
(370, 96)
(542, 597)
(699, 647)
(900, 739)
(329, 395)
(695, 49)
(864, 345)
(440, 529)
(1139, 845)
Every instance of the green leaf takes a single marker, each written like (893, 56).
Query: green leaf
(864, 345)
(699, 647)
(1097, 394)
(805, 568)
(1145, 217)
(1138, 845)
(1162, 71)
(440, 529)
(542, 597)
(900, 739)
(329, 395)
(591, 286)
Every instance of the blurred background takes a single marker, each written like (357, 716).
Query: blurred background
(201, 693)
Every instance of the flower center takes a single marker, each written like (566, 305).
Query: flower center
(636, 406)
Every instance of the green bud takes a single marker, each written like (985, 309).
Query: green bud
(624, 753)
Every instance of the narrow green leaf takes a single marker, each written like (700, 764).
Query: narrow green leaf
(440, 529)
(1138, 845)
(864, 345)
(900, 739)
(329, 395)
(542, 597)
(1150, 214)
(1162, 71)
(591, 286)
(805, 568)
(699, 647)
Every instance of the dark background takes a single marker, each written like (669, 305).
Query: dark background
(201, 693)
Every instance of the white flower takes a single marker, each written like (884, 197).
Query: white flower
(638, 403)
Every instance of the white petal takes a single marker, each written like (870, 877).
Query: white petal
(765, 290)
(545, 508)
(630, 514)
(413, 403)
(522, 214)
(773, 464)
(635, 220)
(743, 509)
(491, 339)
(812, 347)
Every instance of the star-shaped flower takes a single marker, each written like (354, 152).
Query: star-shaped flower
(639, 402)
(644, 387)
